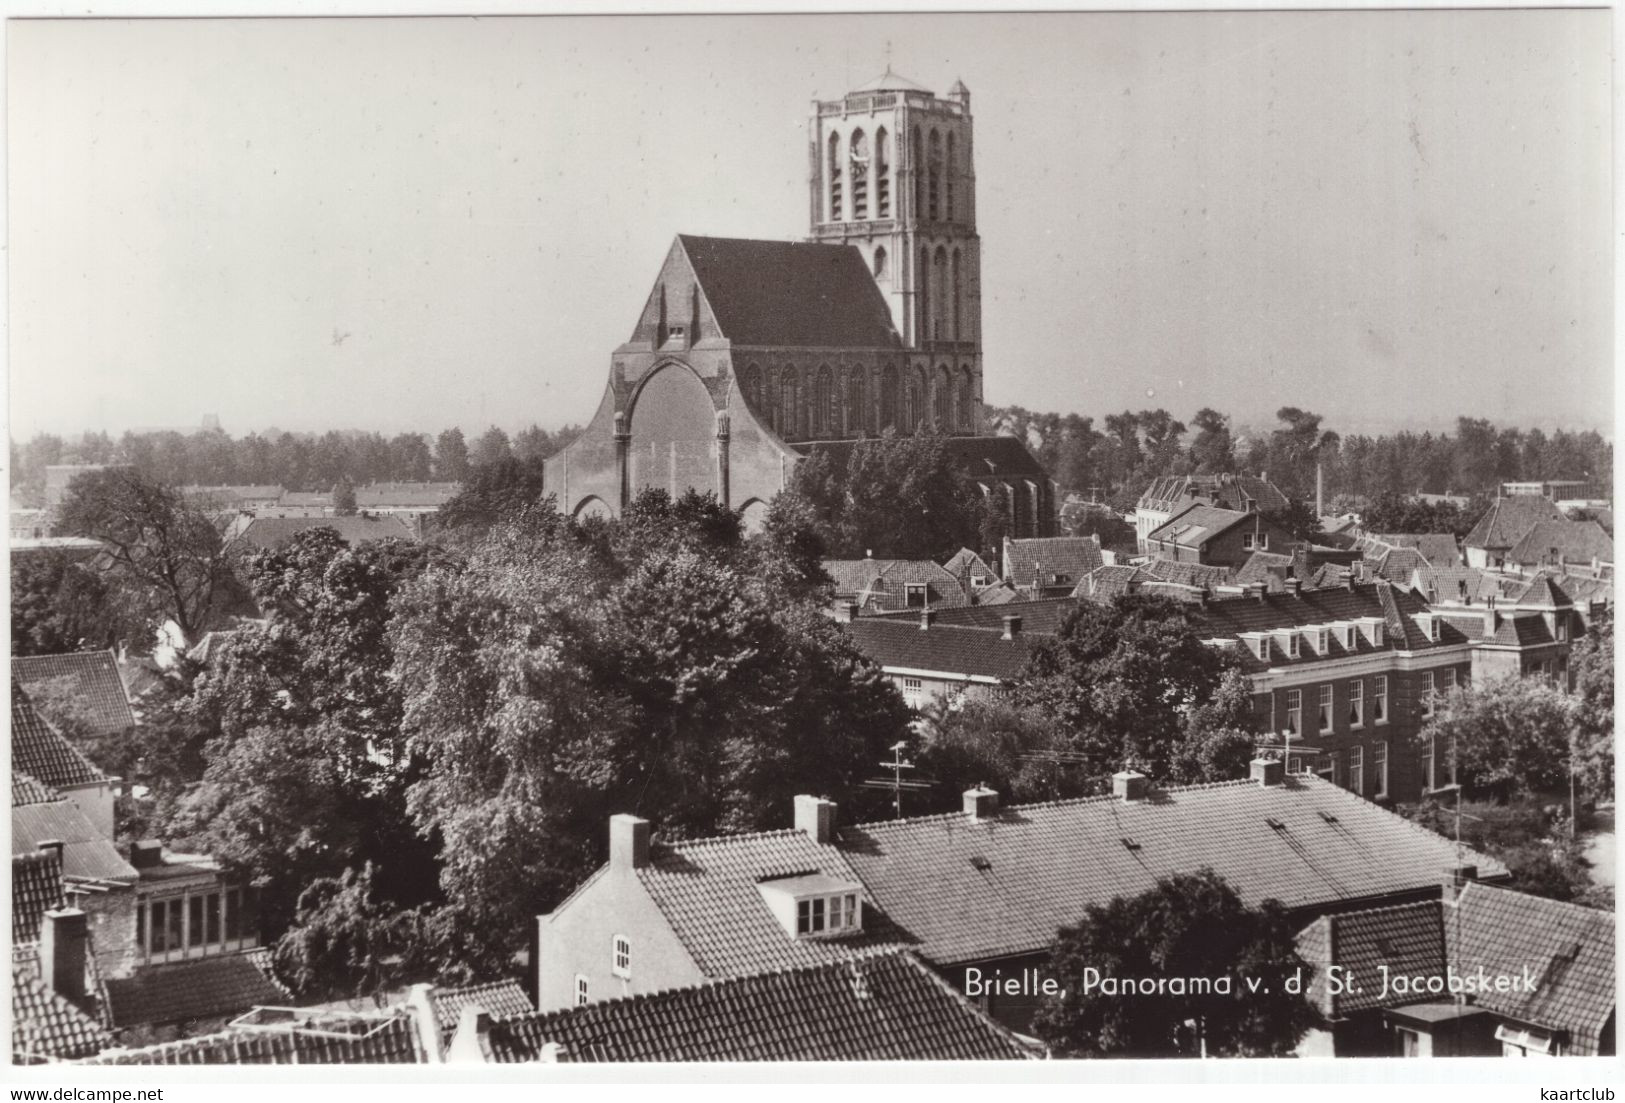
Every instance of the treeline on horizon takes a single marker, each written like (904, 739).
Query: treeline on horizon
(294, 461)
(1115, 461)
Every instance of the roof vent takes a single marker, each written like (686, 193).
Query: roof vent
(1328, 817)
(1275, 823)
(980, 863)
(1130, 844)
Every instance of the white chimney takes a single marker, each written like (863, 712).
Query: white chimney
(628, 842)
(981, 803)
(1130, 785)
(63, 938)
(815, 817)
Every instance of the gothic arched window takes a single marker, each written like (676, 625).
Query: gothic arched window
(960, 328)
(835, 178)
(826, 415)
(966, 420)
(916, 169)
(942, 398)
(941, 312)
(933, 179)
(889, 414)
(857, 415)
(916, 398)
(880, 262)
(922, 298)
(860, 176)
(787, 398)
(775, 402)
(882, 175)
(953, 170)
(751, 386)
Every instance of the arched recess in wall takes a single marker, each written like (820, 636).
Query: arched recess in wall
(880, 262)
(860, 175)
(961, 330)
(753, 516)
(933, 182)
(857, 414)
(890, 416)
(592, 506)
(834, 177)
(916, 169)
(966, 421)
(951, 170)
(916, 398)
(774, 406)
(882, 175)
(673, 428)
(922, 297)
(789, 411)
(750, 386)
(942, 398)
(942, 316)
(826, 416)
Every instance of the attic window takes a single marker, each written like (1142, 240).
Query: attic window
(814, 905)
(831, 914)
(916, 594)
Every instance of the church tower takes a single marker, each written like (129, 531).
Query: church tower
(891, 173)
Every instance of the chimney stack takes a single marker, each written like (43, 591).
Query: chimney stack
(1130, 785)
(1455, 877)
(1012, 626)
(52, 847)
(815, 817)
(62, 948)
(1294, 586)
(628, 842)
(1268, 771)
(146, 854)
(471, 1043)
(847, 612)
(928, 617)
(981, 803)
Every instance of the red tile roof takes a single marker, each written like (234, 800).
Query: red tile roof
(1408, 938)
(877, 1007)
(967, 890)
(36, 888)
(882, 584)
(707, 890)
(1438, 548)
(37, 749)
(305, 1039)
(90, 678)
(44, 1026)
(790, 294)
(220, 985)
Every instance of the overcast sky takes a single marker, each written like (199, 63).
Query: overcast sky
(404, 224)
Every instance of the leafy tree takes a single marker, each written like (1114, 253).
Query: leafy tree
(451, 456)
(1298, 518)
(492, 447)
(60, 602)
(1509, 735)
(347, 941)
(161, 545)
(344, 498)
(1191, 926)
(409, 457)
(1592, 665)
(1219, 735)
(1531, 839)
(533, 443)
(1213, 449)
(1298, 448)
(493, 492)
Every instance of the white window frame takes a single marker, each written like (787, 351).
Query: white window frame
(1356, 704)
(582, 990)
(620, 956)
(1428, 692)
(1246, 541)
(828, 914)
(1379, 763)
(1357, 770)
(1379, 714)
(1328, 715)
(1294, 711)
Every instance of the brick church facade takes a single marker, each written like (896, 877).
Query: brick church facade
(750, 356)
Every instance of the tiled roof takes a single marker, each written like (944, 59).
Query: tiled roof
(36, 888)
(266, 533)
(1263, 566)
(707, 890)
(1230, 616)
(968, 890)
(261, 492)
(798, 294)
(1459, 584)
(37, 749)
(220, 985)
(1172, 492)
(92, 680)
(948, 649)
(1063, 560)
(1438, 548)
(1569, 948)
(1106, 582)
(1408, 938)
(44, 1025)
(1039, 616)
(978, 457)
(212, 646)
(1510, 519)
(380, 495)
(87, 854)
(27, 789)
(324, 1039)
(1193, 526)
(1544, 592)
(1555, 541)
(1510, 628)
(877, 1007)
(1392, 562)
(1187, 574)
(502, 998)
(882, 584)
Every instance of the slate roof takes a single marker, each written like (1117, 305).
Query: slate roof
(1509, 520)
(502, 998)
(87, 854)
(795, 294)
(967, 890)
(877, 1007)
(90, 677)
(331, 1039)
(996, 457)
(707, 890)
(1196, 525)
(44, 1025)
(36, 888)
(946, 648)
(1511, 628)
(1569, 949)
(26, 789)
(267, 533)
(37, 749)
(1170, 493)
(1555, 541)
(1064, 560)
(220, 985)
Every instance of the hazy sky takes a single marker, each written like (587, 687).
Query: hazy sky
(404, 224)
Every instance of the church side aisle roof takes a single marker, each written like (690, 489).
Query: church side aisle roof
(791, 294)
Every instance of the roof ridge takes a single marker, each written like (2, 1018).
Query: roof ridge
(1062, 802)
(1545, 901)
(717, 840)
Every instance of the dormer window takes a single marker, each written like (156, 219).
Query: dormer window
(916, 594)
(814, 905)
(1320, 639)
